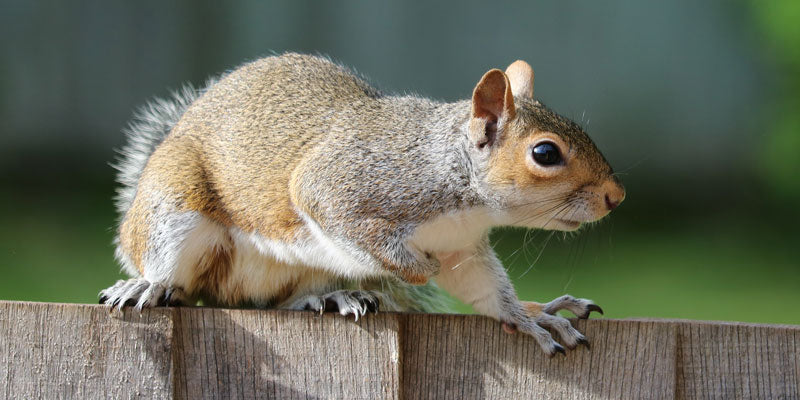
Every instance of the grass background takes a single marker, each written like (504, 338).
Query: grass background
(60, 251)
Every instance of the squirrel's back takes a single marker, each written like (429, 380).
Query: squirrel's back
(292, 76)
(274, 101)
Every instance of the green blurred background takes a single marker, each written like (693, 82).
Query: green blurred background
(696, 103)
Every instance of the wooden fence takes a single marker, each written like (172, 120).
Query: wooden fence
(82, 351)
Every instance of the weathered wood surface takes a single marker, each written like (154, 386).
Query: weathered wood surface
(82, 351)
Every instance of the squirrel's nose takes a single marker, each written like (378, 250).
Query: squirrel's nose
(615, 194)
(611, 204)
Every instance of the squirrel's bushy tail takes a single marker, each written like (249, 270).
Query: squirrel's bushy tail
(151, 123)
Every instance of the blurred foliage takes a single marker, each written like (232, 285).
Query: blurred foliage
(780, 23)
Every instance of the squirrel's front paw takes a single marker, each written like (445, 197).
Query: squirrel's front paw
(535, 326)
(543, 316)
(580, 307)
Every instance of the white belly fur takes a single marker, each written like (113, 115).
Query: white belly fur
(261, 266)
(312, 249)
(457, 231)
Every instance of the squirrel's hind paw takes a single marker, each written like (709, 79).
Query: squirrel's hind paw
(140, 293)
(345, 302)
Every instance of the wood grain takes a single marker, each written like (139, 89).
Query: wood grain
(737, 361)
(70, 351)
(82, 351)
(278, 354)
(457, 357)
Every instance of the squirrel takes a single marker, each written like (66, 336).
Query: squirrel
(292, 183)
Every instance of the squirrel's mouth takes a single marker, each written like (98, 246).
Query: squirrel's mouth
(567, 225)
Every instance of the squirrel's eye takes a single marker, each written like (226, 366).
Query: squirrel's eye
(546, 154)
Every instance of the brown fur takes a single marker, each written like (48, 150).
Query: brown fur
(213, 272)
(284, 293)
(532, 308)
(134, 232)
(413, 278)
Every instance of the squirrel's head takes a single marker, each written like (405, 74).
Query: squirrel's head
(542, 168)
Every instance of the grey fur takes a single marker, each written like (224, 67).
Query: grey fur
(167, 238)
(568, 334)
(580, 307)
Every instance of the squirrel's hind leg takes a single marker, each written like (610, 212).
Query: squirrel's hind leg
(172, 250)
(345, 302)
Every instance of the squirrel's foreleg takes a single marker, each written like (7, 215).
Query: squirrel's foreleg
(477, 277)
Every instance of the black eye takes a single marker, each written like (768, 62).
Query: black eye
(546, 154)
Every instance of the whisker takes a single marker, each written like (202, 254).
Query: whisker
(539, 201)
(529, 238)
(463, 261)
(563, 207)
(541, 251)
(540, 254)
(557, 205)
(539, 214)
(636, 164)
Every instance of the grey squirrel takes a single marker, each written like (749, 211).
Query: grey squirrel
(292, 183)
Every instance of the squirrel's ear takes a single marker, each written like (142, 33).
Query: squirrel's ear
(520, 74)
(492, 98)
(492, 103)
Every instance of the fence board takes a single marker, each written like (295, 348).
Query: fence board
(56, 350)
(82, 351)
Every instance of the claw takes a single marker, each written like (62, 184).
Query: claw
(171, 298)
(584, 342)
(343, 302)
(372, 305)
(594, 307)
(557, 348)
(362, 307)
